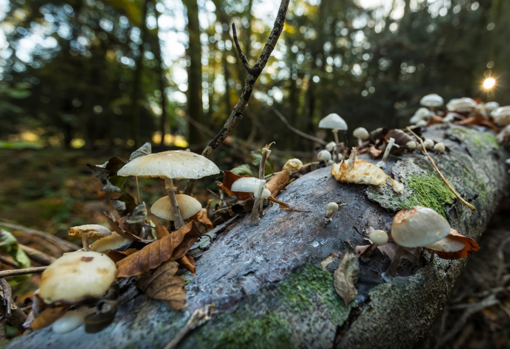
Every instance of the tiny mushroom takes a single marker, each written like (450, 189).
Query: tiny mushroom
(69, 322)
(417, 227)
(292, 165)
(335, 123)
(432, 101)
(251, 185)
(502, 115)
(331, 147)
(87, 231)
(490, 106)
(330, 210)
(391, 144)
(422, 114)
(188, 207)
(450, 117)
(361, 134)
(439, 147)
(464, 104)
(378, 238)
(170, 165)
(411, 145)
(324, 156)
(76, 277)
(428, 143)
(108, 243)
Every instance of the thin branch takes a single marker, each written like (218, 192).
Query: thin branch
(36, 255)
(444, 179)
(295, 130)
(13, 272)
(237, 113)
(244, 59)
(62, 244)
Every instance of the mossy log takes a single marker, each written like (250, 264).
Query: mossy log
(267, 282)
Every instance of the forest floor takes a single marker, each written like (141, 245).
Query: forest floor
(52, 190)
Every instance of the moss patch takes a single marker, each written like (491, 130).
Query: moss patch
(301, 290)
(429, 191)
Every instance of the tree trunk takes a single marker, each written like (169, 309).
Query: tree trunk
(161, 83)
(267, 282)
(194, 53)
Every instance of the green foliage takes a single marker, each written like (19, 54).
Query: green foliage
(243, 170)
(9, 245)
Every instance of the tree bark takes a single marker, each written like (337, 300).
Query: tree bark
(267, 282)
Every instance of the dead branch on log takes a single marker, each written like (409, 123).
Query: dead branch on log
(253, 73)
(13, 272)
(296, 131)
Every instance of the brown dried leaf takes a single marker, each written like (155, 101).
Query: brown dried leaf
(278, 182)
(229, 179)
(346, 276)
(189, 263)
(470, 246)
(201, 217)
(171, 247)
(401, 138)
(435, 120)
(119, 255)
(411, 254)
(161, 231)
(284, 206)
(165, 286)
(374, 152)
(48, 316)
(114, 224)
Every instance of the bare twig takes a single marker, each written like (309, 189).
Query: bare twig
(444, 179)
(8, 262)
(13, 272)
(62, 244)
(37, 256)
(295, 130)
(251, 70)
(198, 318)
(237, 113)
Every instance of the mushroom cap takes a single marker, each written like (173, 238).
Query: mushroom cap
(428, 143)
(361, 133)
(324, 155)
(502, 115)
(175, 164)
(446, 245)
(461, 104)
(108, 243)
(246, 185)
(188, 206)
(95, 231)
(379, 237)
(333, 121)
(331, 146)
(439, 147)
(432, 100)
(292, 165)
(69, 322)
(421, 114)
(76, 276)
(450, 117)
(411, 145)
(332, 206)
(419, 227)
(490, 106)
(265, 194)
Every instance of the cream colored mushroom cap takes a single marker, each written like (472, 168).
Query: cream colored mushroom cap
(108, 243)
(175, 164)
(188, 206)
(490, 106)
(461, 104)
(446, 245)
(502, 115)
(292, 164)
(432, 100)
(77, 276)
(333, 121)
(379, 237)
(361, 133)
(95, 231)
(419, 227)
(246, 185)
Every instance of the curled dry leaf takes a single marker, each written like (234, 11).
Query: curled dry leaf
(165, 286)
(171, 247)
(401, 138)
(48, 316)
(144, 150)
(115, 225)
(278, 182)
(478, 120)
(346, 276)
(201, 217)
(161, 232)
(119, 255)
(374, 152)
(188, 263)
(454, 246)
(435, 120)
(107, 174)
(135, 221)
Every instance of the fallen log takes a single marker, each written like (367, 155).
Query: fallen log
(267, 282)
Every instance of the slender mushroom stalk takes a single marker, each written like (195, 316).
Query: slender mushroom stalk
(392, 269)
(378, 238)
(85, 241)
(255, 217)
(337, 143)
(391, 144)
(169, 186)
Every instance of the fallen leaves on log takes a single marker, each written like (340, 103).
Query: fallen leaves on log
(171, 247)
(448, 248)
(374, 152)
(188, 263)
(165, 286)
(411, 254)
(278, 182)
(346, 276)
(48, 316)
(115, 225)
(201, 217)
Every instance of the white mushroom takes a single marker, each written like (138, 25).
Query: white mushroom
(439, 147)
(335, 123)
(188, 206)
(464, 104)
(490, 106)
(361, 134)
(331, 147)
(94, 231)
(324, 155)
(428, 143)
(502, 115)
(331, 208)
(391, 144)
(69, 322)
(450, 117)
(432, 101)
(251, 185)
(422, 114)
(411, 145)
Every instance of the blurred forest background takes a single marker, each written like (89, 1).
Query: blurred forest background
(83, 80)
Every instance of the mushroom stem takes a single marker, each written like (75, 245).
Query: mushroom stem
(392, 269)
(360, 142)
(337, 155)
(169, 186)
(85, 241)
(255, 217)
(138, 189)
